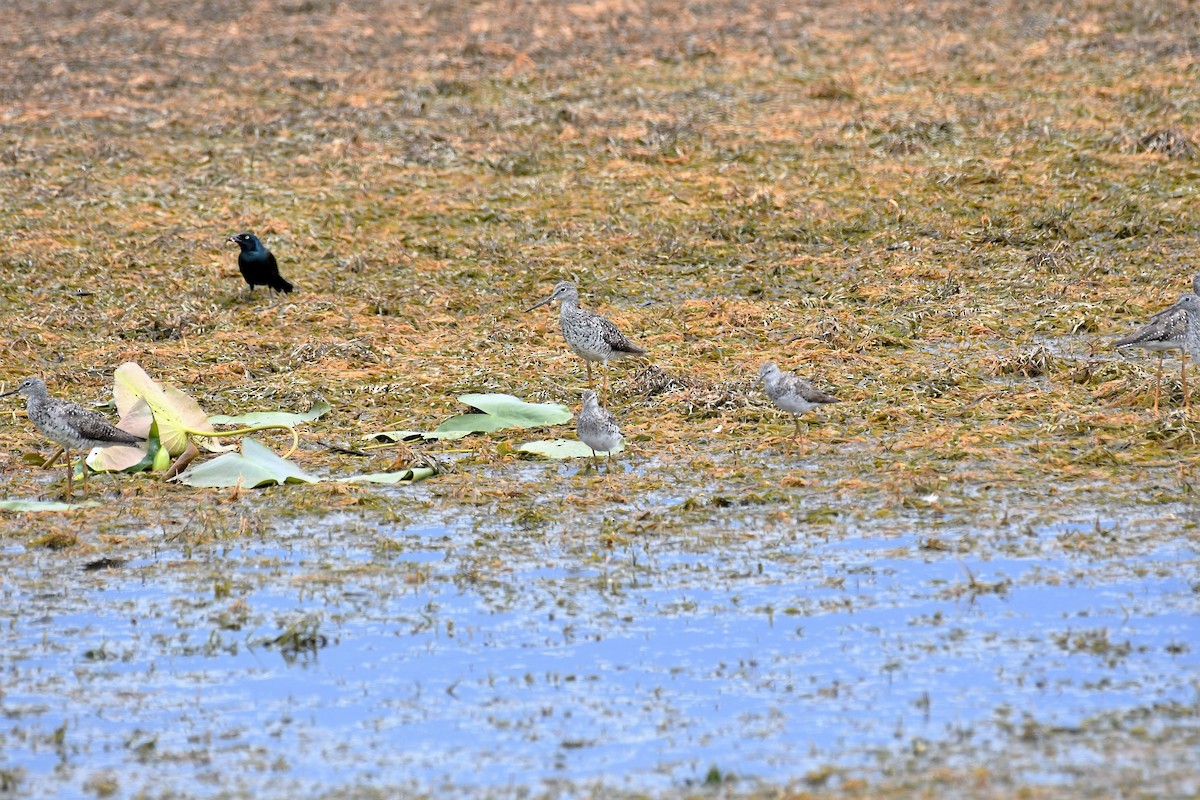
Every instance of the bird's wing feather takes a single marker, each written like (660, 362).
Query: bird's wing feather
(1169, 325)
(802, 388)
(615, 339)
(92, 425)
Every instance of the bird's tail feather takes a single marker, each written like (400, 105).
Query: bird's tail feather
(281, 285)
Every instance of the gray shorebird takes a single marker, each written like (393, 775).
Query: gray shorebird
(792, 393)
(597, 427)
(1166, 330)
(590, 336)
(70, 426)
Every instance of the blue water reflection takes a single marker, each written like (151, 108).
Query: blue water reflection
(435, 662)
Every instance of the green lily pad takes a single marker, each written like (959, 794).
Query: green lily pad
(137, 420)
(174, 412)
(558, 449)
(273, 417)
(42, 505)
(500, 411)
(256, 465)
(393, 478)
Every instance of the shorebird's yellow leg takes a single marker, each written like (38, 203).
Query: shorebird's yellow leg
(70, 475)
(1158, 381)
(1183, 376)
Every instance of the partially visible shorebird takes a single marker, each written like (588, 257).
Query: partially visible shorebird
(597, 427)
(257, 264)
(792, 393)
(590, 336)
(1165, 331)
(70, 426)
(1169, 309)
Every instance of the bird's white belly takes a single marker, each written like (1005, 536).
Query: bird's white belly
(794, 404)
(601, 441)
(1161, 347)
(588, 353)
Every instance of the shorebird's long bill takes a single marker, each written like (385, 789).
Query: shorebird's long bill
(539, 305)
(14, 391)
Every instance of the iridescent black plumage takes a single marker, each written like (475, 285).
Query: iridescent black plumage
(258, 264)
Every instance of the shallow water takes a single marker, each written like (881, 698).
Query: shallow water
(440, 659)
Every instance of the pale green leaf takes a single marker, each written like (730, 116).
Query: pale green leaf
(500, 411)
(137, 420)
(255, 418)
(174, 412)
(256, 465)
(392, 478)
(43, 505)
(562, 448)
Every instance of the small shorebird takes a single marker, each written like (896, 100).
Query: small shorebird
(792, 393)
(1165, 331)
(70, 426)
(597, 427)
(590, 336)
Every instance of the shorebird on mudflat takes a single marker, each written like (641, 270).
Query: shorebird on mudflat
(589, 335)
(1165, 331)
(792, 393)
(70, 426)
(597, 427)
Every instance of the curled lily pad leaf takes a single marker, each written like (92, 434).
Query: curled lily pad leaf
(562, 448)
(137, 420)
(42, 505)
(256, 465)
(411, 475)
(393, 437)
(320, 408)
(175, 414)
(500, 411)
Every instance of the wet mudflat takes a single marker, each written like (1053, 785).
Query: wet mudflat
(323, 655)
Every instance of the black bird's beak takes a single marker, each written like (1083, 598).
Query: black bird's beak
(232, 238)
(539, 305)
(14, 391)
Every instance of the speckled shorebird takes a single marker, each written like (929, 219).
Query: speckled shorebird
(1165, 331)
(70, 426)
(792, 393)
(597, 427)
(590, 336)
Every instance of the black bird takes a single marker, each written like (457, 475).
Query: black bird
(257, 264)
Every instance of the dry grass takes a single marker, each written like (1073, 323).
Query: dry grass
(940, 212)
